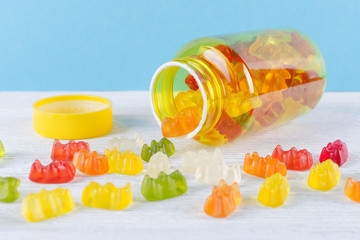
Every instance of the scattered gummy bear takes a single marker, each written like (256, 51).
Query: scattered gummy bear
(183, 122)
(223, 200)
(294, 159)
(164, 186)
(164, 145)
(107, 196)
(47, 204)
(352, 189)
(159, 162)
(2, 150)
(125, 144)
(210, 168)
(274, 191)
(91, 163)
(263, 167)
(65, 152)
(127, 163)
(8, 189)
(55, 172)
(336, 151)
(324, 176)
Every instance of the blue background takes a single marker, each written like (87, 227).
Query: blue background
(117, 45)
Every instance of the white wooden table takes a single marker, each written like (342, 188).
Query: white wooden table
(306, 214)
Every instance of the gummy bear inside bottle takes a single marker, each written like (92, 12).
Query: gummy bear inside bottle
(220, 88)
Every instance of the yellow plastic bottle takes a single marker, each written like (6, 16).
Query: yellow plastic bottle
(216, 89)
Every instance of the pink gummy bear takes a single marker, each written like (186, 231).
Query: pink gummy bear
(336, 151)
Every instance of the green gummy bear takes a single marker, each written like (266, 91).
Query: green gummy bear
(164, 186)
(2, 149)
(8, 189)
(164, 145)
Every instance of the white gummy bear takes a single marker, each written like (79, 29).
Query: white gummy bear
(158, 162)
(209, 168)
(125, 144)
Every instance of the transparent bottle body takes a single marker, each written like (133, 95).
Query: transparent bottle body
(248, 81)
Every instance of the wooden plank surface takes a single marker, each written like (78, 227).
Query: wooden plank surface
(306, 213)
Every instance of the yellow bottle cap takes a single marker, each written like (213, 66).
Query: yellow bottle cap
(72, 116)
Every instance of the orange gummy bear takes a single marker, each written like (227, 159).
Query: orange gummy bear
(275, 80)
(352, 189)
(91, 163)
(183, 122)
(223, 200)
(263, 167)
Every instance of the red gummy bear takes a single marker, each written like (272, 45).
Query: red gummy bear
(336, 151)
(294, 159)
(55, 172)
(191, 82)
(65, 152)
(228, 127)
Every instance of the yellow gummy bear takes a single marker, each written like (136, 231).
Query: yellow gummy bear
(324, 176)
(274, 191)
(47, 204)
(274, 48)
(107, 196)
(127, 163)
(188, 99)
(212, 138)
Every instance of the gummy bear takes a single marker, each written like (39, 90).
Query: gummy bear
(228, 127)
(229, 53)
(65, 152)
(209, 168)
(125, 144)
(213, 138)
(237, 104)
(274, 191)
(275, 80)
(223, 200)
(263, 167)
(8, 189)
(188, 99)
(164, 145)
(47, 204)
(324, 176)
(2, 150)
(274, 48)
(193, 160)
(191, 82)
(183, 122)
(294, 159)
(127, 163)
(336, 151)
(164, 186)
(352, 189)
(301, 45)
(269, 113)
(90, 163)
(107, 196)
(55, 172)
(158, 162)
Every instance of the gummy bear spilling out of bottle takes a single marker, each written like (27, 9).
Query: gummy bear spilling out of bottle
(287, 79)
(160, 183)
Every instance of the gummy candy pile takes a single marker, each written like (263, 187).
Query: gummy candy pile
(286, 76)
(126, 156)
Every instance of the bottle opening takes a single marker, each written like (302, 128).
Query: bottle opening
(178, 100)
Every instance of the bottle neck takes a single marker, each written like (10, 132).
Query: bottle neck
(169, 79)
